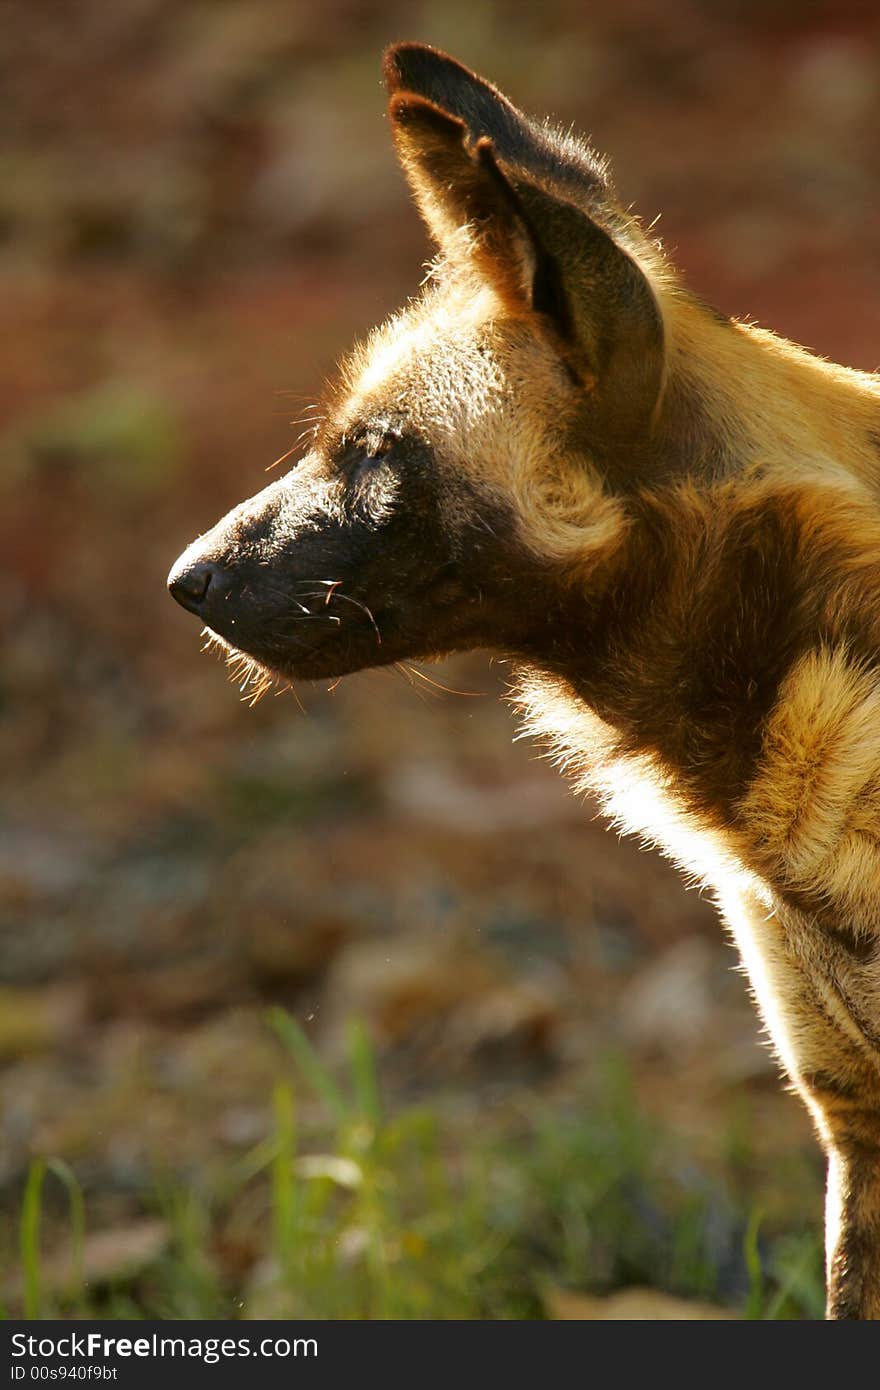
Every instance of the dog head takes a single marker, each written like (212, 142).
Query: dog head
(473, 455)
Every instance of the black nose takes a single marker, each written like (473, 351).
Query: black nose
(190, 583)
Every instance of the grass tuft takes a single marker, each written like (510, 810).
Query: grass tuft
(359, 1212)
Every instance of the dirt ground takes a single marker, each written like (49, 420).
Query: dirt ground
(199, 210)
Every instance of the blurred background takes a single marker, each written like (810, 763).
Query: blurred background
(342, 1005)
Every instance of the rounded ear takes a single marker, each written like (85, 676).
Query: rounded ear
(604, 303)
(449, 85)
(469, 205)
(519, 142)
(542, 253)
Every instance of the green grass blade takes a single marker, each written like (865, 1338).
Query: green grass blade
(363, 1070)
(752, 1254)
(800, 1275)
(66, 1176)
(309, 1063)
(283, 1179)
(31, 1210)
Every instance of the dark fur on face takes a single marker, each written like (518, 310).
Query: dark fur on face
(670, 519)
(364, 555)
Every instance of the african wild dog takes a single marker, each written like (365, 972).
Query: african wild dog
(670, 519)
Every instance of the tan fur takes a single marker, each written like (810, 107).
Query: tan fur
(814, 806)
(779, 403)
(636, 793)
(798, 431)
(456, 360)
(693, 508)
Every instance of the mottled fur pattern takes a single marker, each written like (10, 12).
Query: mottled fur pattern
(670, 520)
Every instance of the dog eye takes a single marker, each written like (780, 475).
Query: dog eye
(378, 446)
(372, 444)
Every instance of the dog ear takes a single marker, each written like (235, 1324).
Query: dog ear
(520, 143)
(471, 208)
(541, 252)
